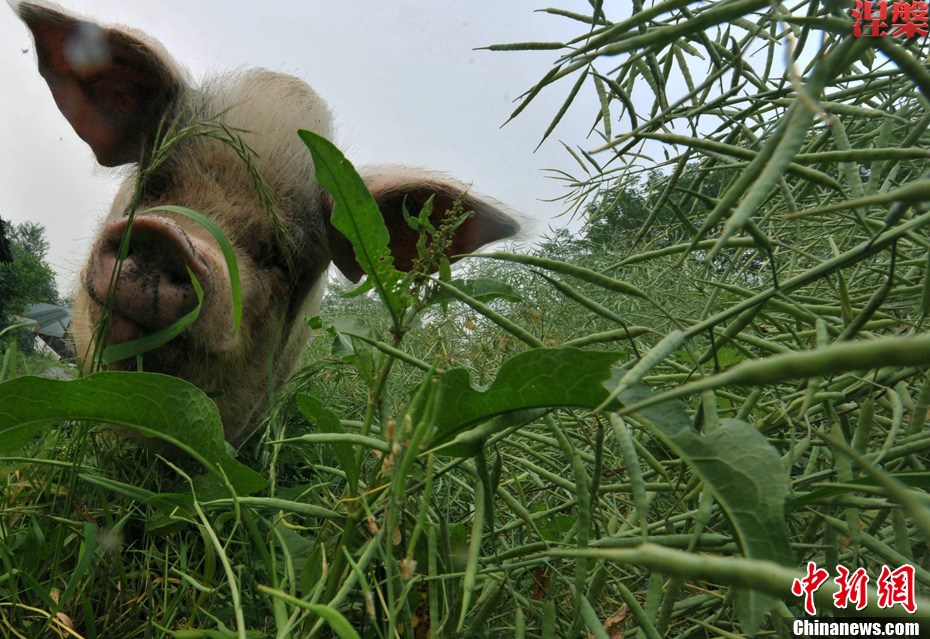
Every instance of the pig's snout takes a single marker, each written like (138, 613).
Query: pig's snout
(154, 288)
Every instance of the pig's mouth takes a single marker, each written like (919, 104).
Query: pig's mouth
(154, 288)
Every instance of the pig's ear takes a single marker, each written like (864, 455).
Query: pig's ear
(113, 87)
(392, 188)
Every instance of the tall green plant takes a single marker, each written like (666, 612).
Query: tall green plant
(785, 236)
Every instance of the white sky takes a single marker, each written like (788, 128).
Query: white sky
(402, 77)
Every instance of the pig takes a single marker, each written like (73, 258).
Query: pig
(125, 96)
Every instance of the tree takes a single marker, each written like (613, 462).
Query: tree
(6, 254)
(27, 278)
(617, 216)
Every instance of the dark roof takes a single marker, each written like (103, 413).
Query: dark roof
(53, 320)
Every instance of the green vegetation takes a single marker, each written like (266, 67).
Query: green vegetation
(650, 428)
(27, 278)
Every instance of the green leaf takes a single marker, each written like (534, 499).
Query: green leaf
(742, 468)
(481, 289)
(328, 422)
(339, 624)
(469, 443)
(356, 216)
(538, 378)
(85, 559)
(155, 405)
(744, 473)
(736, 462)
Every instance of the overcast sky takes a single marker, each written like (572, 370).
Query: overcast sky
(402, 77)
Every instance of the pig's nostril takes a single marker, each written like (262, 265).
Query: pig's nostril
(145, 249)
(155, 286)
(177, 278)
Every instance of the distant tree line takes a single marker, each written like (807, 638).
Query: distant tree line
(6, 253)
(25, 276)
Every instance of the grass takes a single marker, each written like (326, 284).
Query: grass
(649, 430)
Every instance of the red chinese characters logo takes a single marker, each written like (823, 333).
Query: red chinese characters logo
(879, 19)
(895, 587)
(808, 586)
(852, 588)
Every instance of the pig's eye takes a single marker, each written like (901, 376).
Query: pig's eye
(269, 258)
(157, 184)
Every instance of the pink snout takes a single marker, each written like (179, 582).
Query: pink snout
(154, 288)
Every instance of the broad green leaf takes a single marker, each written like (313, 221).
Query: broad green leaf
(538, 378)
(356, 216)
(482, 289)
(155, 405)
(736, 462)
(745, 474)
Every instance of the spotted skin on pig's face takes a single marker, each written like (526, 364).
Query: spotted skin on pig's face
(127, 98)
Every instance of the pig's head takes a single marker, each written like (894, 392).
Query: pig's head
(250, 175)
